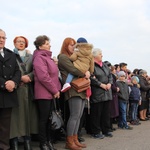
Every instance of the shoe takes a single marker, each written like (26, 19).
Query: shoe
(44, 146)
(134, 122)
(128, 128)
(66, 87)
(51, 146)
(80, 139)
(14, 144)
(108, 134)
(27, 145)
(142, 119)
(119, 127)
(97, 136)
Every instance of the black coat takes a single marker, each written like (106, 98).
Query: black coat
(102, 75)
(9, 70)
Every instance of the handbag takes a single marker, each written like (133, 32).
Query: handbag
(56, 120)
(81, 84)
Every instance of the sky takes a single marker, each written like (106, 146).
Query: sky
(120, 28)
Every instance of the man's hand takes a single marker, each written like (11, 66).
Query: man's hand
(10, 85)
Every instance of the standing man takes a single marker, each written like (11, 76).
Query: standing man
(9, 80)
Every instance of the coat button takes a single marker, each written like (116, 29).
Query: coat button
(10, 76)
(5, 77)
(2, 86)
(3, 66)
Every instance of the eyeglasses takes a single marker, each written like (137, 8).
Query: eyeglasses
(122, 76)
(21, 42)
(3, 37)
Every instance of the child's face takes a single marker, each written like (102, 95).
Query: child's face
(122, 78)
(134, 81)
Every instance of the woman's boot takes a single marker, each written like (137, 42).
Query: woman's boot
(27, 145)
(70, 144)
(75, 137)
(44, 146)
(51, 146)
(14, 144)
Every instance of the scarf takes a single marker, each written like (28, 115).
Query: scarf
(22, 54)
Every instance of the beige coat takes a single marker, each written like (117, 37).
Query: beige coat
(82, 58)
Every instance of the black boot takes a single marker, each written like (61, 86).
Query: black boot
(14, 144)
(27, 145)
(44, 146)
(51, 146)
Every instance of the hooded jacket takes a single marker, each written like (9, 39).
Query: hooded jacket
(46, 74)
(82, 58)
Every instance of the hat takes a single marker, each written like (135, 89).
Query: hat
(121, 73)
(135, 78)
(81, 40)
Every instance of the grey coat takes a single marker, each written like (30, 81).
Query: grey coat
(24, 119)
(102, 75)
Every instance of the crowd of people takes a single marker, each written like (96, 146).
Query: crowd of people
(30, 82)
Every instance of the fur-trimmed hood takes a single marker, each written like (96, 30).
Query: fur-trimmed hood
(84, 48)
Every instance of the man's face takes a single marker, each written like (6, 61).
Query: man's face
(2, 39)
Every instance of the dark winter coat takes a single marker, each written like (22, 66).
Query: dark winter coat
(66, 66)
(102, 75)
(135, 94)
(114, 103)
(9, 70)
(144, 87)
(123, 94)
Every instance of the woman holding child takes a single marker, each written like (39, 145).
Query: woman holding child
(75, 100)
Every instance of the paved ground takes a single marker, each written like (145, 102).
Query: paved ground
(136, 139)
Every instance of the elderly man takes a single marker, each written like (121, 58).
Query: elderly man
(9, 80)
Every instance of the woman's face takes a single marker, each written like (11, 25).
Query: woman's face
(71, 47)
(45, 46)
(99, 57)
(20, 43)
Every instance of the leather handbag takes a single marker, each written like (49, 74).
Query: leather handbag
(80, 84)
(55, 118)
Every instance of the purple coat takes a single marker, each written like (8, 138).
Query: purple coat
(46, 72)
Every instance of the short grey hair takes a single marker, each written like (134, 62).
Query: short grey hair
(96, 51)
(142, 72)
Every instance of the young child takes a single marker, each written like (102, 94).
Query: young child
(82, 59)
(134, 100)
(123, 97)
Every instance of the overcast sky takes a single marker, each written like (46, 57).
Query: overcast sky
(121, 28)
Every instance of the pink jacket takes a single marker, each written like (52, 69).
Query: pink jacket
(46, 72)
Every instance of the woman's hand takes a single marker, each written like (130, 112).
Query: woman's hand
(25, 79)
(57, 95)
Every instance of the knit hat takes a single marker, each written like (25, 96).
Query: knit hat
(121, 73)
(81, 40)
(135, 78)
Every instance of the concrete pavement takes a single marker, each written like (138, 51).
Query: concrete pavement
(136, 139)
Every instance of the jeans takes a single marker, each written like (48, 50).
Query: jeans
(69, 78)
(122, 114)
(134, 109)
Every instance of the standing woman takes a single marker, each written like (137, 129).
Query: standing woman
(22, 116)
(100, 98)
(75, 100)
(47, 87)
(144, 87)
